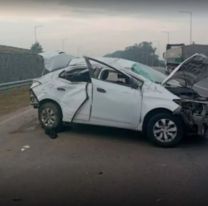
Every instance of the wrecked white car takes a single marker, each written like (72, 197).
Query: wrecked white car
(125, 94)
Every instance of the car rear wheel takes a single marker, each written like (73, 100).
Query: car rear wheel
(164, 130)
(50, 116)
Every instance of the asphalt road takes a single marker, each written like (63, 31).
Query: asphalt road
(96, 166)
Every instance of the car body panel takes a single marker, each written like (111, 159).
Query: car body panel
(106, 109)
(55, 60)
(68, 96)
(73, 98)
(120, 106)
(154, 97)
(191, 71)
(95, 101)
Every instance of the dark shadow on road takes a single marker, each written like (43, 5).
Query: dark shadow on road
(89, 131)
(106, 132)
(193, 141)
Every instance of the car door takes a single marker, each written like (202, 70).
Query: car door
(75, 88)
(113, 104)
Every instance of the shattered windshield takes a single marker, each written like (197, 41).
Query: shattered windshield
(148, 73)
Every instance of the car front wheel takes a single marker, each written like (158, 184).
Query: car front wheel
(50, 116)
(164, 130)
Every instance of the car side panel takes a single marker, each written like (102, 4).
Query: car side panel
(156, 97)
(118, 106)
(72, 100)
(69, 96)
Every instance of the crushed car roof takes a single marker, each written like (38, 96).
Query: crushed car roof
(55, 60)
(188, 73)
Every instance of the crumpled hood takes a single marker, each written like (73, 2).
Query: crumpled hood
(55, 60)
(191, 71)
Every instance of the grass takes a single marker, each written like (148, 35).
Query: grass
(14, 99)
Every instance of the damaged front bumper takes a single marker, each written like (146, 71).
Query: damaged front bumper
(194, 114)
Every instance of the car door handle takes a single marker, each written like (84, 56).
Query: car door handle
(61, 89)
(101, 90)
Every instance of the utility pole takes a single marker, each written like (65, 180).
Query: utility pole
(63, 43)
(168, 36)
(190, 13)
(35, 32)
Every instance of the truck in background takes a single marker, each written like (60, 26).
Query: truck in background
(177, 53)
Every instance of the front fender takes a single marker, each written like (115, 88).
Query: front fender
(150, 104)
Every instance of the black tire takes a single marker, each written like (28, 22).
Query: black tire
(57, 116)
(164, 129)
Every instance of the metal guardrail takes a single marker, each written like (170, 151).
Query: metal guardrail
(10, 85)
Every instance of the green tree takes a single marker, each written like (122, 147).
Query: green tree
(143, 53)
(36, 48)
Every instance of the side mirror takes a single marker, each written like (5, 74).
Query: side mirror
(134, 84)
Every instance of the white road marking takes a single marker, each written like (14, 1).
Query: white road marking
(25, 147)
(16, 116)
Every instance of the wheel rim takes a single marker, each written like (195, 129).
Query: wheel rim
(48, 117)
(165, 130)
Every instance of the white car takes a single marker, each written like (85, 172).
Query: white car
(124, 94)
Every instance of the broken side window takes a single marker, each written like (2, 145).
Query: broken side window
(76, 75)
(106, 73)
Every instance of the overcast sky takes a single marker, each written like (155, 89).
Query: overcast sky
(96, 27)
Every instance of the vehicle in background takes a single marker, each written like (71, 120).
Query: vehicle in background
(177, 53)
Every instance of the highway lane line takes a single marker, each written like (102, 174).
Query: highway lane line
(15, 116)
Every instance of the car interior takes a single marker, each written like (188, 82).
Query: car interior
(114, 77)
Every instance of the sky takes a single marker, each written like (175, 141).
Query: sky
(98, 27)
